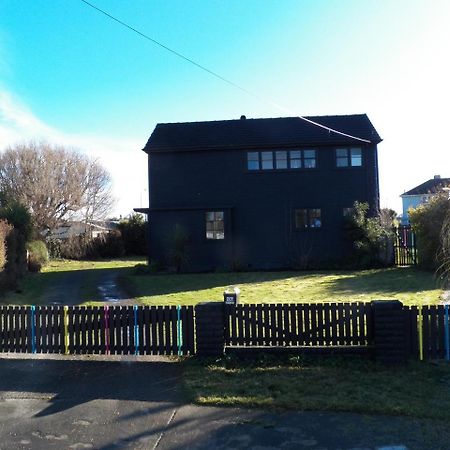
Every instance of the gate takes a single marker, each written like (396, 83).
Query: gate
(405, 249)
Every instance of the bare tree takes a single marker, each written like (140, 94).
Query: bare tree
(55, 183)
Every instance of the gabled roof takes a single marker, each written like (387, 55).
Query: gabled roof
(247, 133)
(429, 187)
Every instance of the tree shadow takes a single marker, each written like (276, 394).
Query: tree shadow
(69, 383)
(398, 280)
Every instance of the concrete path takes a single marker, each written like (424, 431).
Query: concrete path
(118, 402)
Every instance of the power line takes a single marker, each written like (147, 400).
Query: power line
(220, 77)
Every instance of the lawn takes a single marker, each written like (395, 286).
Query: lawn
(409, 285)
(80, 279)
(296, 383)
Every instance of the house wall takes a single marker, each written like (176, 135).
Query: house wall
(259, 207)
(411, 202)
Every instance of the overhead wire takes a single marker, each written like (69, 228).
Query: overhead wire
(220, 77)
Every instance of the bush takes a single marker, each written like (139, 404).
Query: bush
(371, 237)
(177, 242)
(5, 229)
(134, 235)
(106, 246)
(427, 221)
(37, 255)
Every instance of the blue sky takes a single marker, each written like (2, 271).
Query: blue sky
(70, 75)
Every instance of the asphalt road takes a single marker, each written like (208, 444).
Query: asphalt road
(122, 402)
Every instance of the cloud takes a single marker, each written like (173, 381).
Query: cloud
(121, 157)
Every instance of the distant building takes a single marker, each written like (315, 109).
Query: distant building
(259, 193)
(421, 194)
(74, 228)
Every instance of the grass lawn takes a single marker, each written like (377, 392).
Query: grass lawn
(409, 285)
(80, 279)
(353, 385)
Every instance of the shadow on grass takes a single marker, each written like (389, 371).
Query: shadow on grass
(70, 287)
(397, 280)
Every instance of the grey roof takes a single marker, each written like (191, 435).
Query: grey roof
(247, 133)
(429, 187)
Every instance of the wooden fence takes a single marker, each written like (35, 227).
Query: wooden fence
(170, 330)
(428, 330)
(116, 330)
(299, 325)
(405, 248)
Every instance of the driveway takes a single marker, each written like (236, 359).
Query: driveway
(121, 402)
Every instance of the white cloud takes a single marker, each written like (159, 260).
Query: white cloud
(121, 157)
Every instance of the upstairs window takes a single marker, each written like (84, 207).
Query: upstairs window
(215, 227)
(253, 161)
(307, 218)
(302, 159)
(267, 160)
(349, 157)
(281, 161)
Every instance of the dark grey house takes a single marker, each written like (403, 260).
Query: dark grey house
(259, 193)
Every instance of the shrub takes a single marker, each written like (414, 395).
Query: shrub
(37, 255)
(106, 246)
(134, 235)
(5, 229)
(177, 242)
(427, 222)
(371, 237)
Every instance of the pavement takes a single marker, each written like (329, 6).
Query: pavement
(98, 402)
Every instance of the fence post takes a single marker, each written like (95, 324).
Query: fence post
(390, 333)
(209, 328)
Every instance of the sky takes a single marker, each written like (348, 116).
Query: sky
(71, 76)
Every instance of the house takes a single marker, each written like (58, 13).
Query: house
(421, 194)
(76, 228)
(259, 193)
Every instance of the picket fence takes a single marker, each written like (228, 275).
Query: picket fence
(115, 330)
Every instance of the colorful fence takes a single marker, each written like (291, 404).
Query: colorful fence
(116, 330)
(405, 248)
(428, 331)
(297, 325)
(423, 332)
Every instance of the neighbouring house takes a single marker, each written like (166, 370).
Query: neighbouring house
(76, 228)
(421, 194)
(258, 193)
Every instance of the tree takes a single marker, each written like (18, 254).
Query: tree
(55, 183)
(371, 236)
(427, 221)
(134, 234)
(444, 255)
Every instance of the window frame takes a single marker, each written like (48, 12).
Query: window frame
(309, 214)
(218, 232)
(348, 157)
(282, 160)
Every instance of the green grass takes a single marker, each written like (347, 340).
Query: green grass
(361, 386)
(409, 285)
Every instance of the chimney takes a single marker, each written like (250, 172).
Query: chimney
(437, 177)
(243, 117)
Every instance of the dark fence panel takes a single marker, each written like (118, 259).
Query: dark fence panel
(14, 329)
(294, 325)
